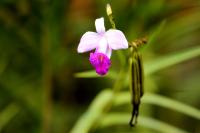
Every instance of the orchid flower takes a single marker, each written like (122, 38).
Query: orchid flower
(104, 42)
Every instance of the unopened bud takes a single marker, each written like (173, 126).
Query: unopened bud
(108, 9)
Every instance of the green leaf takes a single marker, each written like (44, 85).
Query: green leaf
(7, 114)
(156, 33)
(120, 118)
(169, 60)
(93, 74)
(87, 74)
(97, 107)
(162, 101)
(153, 36)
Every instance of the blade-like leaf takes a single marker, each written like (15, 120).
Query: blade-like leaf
(88, 119)
(86, 74)
(93, 74)
(172, 59)
(162, 101)
(156, 33)
(7, 114)
(120, 118)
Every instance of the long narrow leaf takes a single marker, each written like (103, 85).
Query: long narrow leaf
(122, 119)
(156, 33)
(7, 114)
(88, 119)
(86, 74)
(162, 101)
(169, 60)
(93, 74)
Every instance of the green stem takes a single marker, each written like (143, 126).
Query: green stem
(110, 16)
(47, 78)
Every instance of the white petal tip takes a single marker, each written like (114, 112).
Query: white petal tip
(126, 45)
(116, 39)
(79, 50)
(99, 24)
(88, 42)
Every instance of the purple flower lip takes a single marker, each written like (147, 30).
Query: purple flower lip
(100, 62)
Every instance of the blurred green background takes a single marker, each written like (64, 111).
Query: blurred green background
(38, 60)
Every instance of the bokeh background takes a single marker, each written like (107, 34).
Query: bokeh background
(38, 60)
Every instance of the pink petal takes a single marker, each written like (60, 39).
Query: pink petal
(102, 46)
(109, 52)
(116, 39)
(99, 24)
(88, 42)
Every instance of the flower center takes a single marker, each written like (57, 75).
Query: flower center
(100, 62)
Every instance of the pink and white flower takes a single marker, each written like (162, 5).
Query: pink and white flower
(104, 42)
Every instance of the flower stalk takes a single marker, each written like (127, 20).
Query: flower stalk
(136, 71)
(110, 16)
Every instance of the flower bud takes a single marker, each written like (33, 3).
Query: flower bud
(108, 9)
